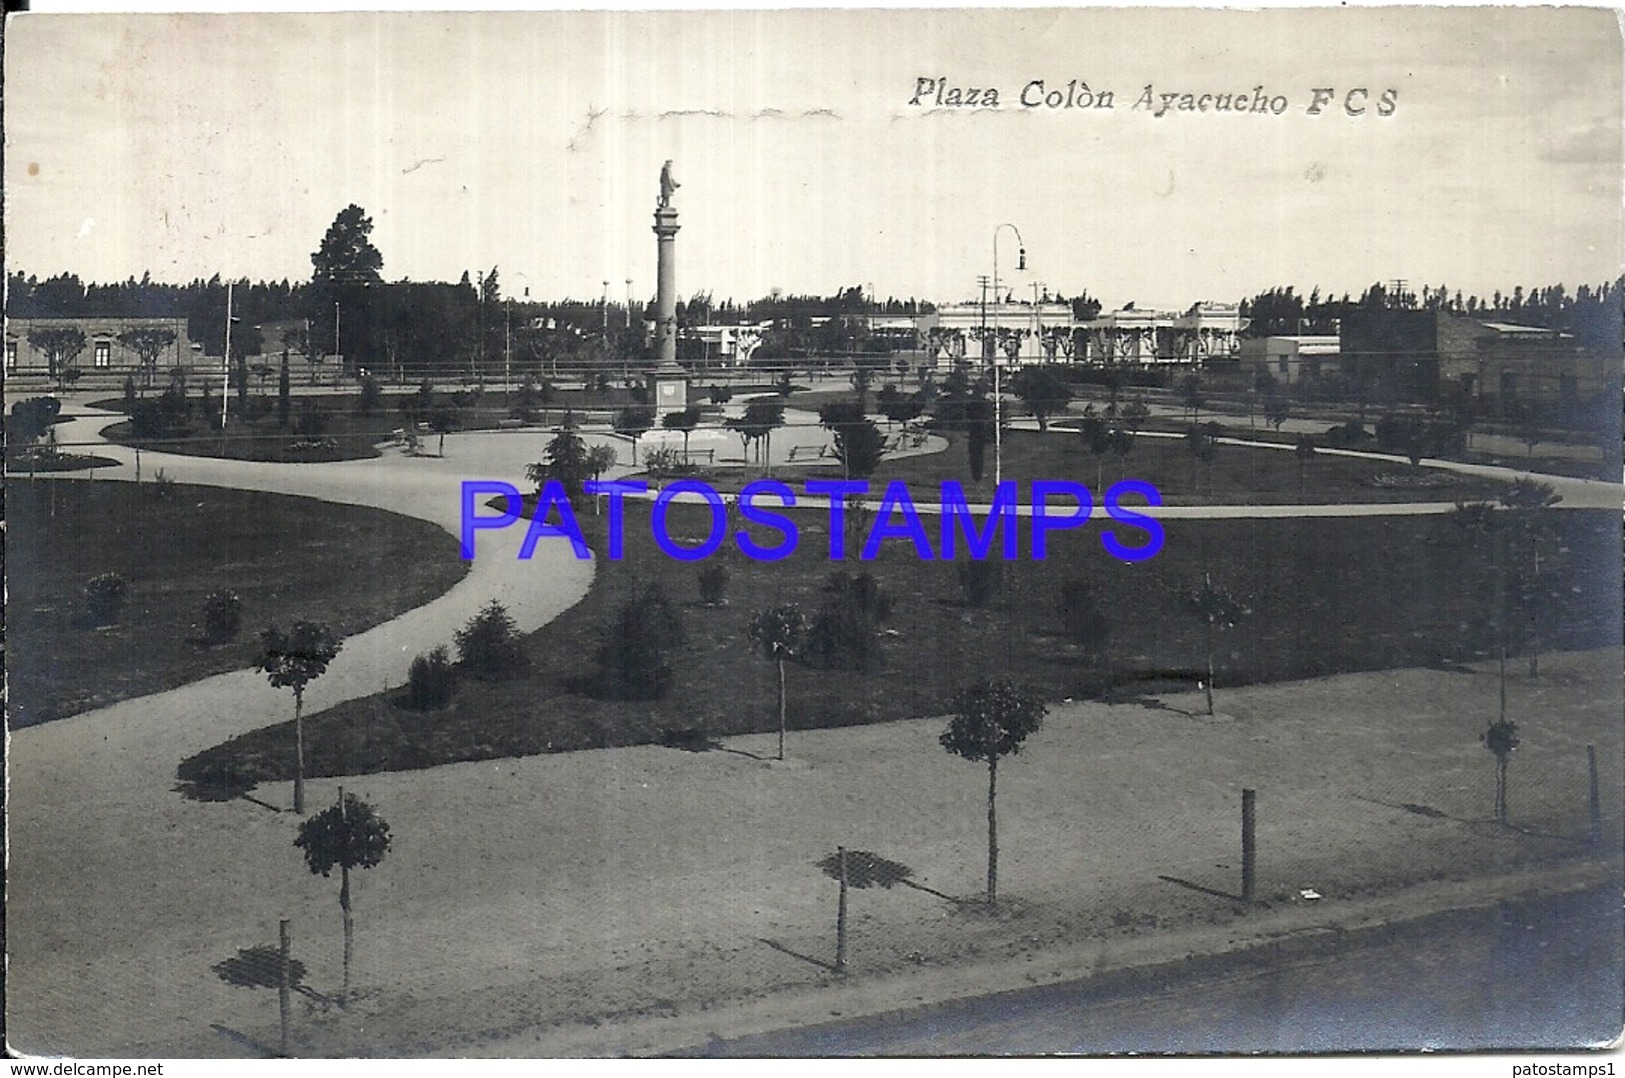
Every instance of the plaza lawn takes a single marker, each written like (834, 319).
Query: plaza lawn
(287, 558)
(1237, 475)
(340, 431)
(1326, 596)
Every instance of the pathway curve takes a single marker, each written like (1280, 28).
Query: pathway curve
(92, 807)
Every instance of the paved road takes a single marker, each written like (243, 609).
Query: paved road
(1537, 974)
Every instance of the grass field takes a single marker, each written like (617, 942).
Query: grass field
(1325, 596)
(287, 558)
(1236, 475)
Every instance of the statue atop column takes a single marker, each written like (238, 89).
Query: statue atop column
(667, 185)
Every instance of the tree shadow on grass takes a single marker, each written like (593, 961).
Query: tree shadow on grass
(261, 967)
(1214, 891)
(689, 739)
(217, 790)
(245, 1040)
(782, 949)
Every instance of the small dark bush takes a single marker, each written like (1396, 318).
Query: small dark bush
(430, 680)
(372, 396)
(310, 423)
(845, 633)
(1083, 619)
(104, 598)
(489, 644)
(713, 577)
(633, 649)
(222, 616)
(980, 581)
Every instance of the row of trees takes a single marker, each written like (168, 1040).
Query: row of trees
(1591, 314)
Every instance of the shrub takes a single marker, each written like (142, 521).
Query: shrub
(372, 395)
(311, 422)
(666, 463)
(222, 616)
(1082, 618)
(104, 597)
(631, 659)
(845, 634)
(430, 680)
(489, 643)
(713, 577)
(981, 580)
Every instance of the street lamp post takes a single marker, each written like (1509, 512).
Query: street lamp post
(998, 401)
(225, 362)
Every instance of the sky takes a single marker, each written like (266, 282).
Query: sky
(187, 145)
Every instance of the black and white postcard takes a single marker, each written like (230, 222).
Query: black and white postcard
(814, 533)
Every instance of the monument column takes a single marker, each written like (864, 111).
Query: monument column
(669, 382)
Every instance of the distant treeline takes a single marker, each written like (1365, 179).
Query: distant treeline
(1593, 315)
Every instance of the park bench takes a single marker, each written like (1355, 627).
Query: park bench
(710, 455)
(510, 424)
(802, 452)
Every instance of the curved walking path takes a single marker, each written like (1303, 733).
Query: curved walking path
(92, 807)
(504, 873)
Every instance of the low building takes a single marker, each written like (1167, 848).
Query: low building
(1432, 356)
(1135, 336)
(106, 352)
(1025, 332)
(1291, 359)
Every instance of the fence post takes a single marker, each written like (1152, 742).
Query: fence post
(1249, 844)
(840, 916)
(282, 983)
(1595, 830)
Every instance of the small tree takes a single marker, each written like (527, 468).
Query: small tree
(781, 632)
(1216, 609)
(1043, 392)
(600, 459)
(980, 580)
(430, 680)
(372, 395)
(488, 643)
(992, 718)
(1305, 452)
(1097, 439)
(347, 835)
(1135, 413)
(222, 616)
(634, 423)
(859, 448)
(292, 661)
(1501, 738)
(567, 461)
(633, 649)
(284, 393)
(1275, 411)
(713, 580)
(147, 342)
(684, 421)
(61, 345)
(845, 633)
(1527, 500)
(104, 598)
(1203, 443)
(1084, 620)
(1190, 391)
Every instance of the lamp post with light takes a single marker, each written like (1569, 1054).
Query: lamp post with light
(998, 401)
